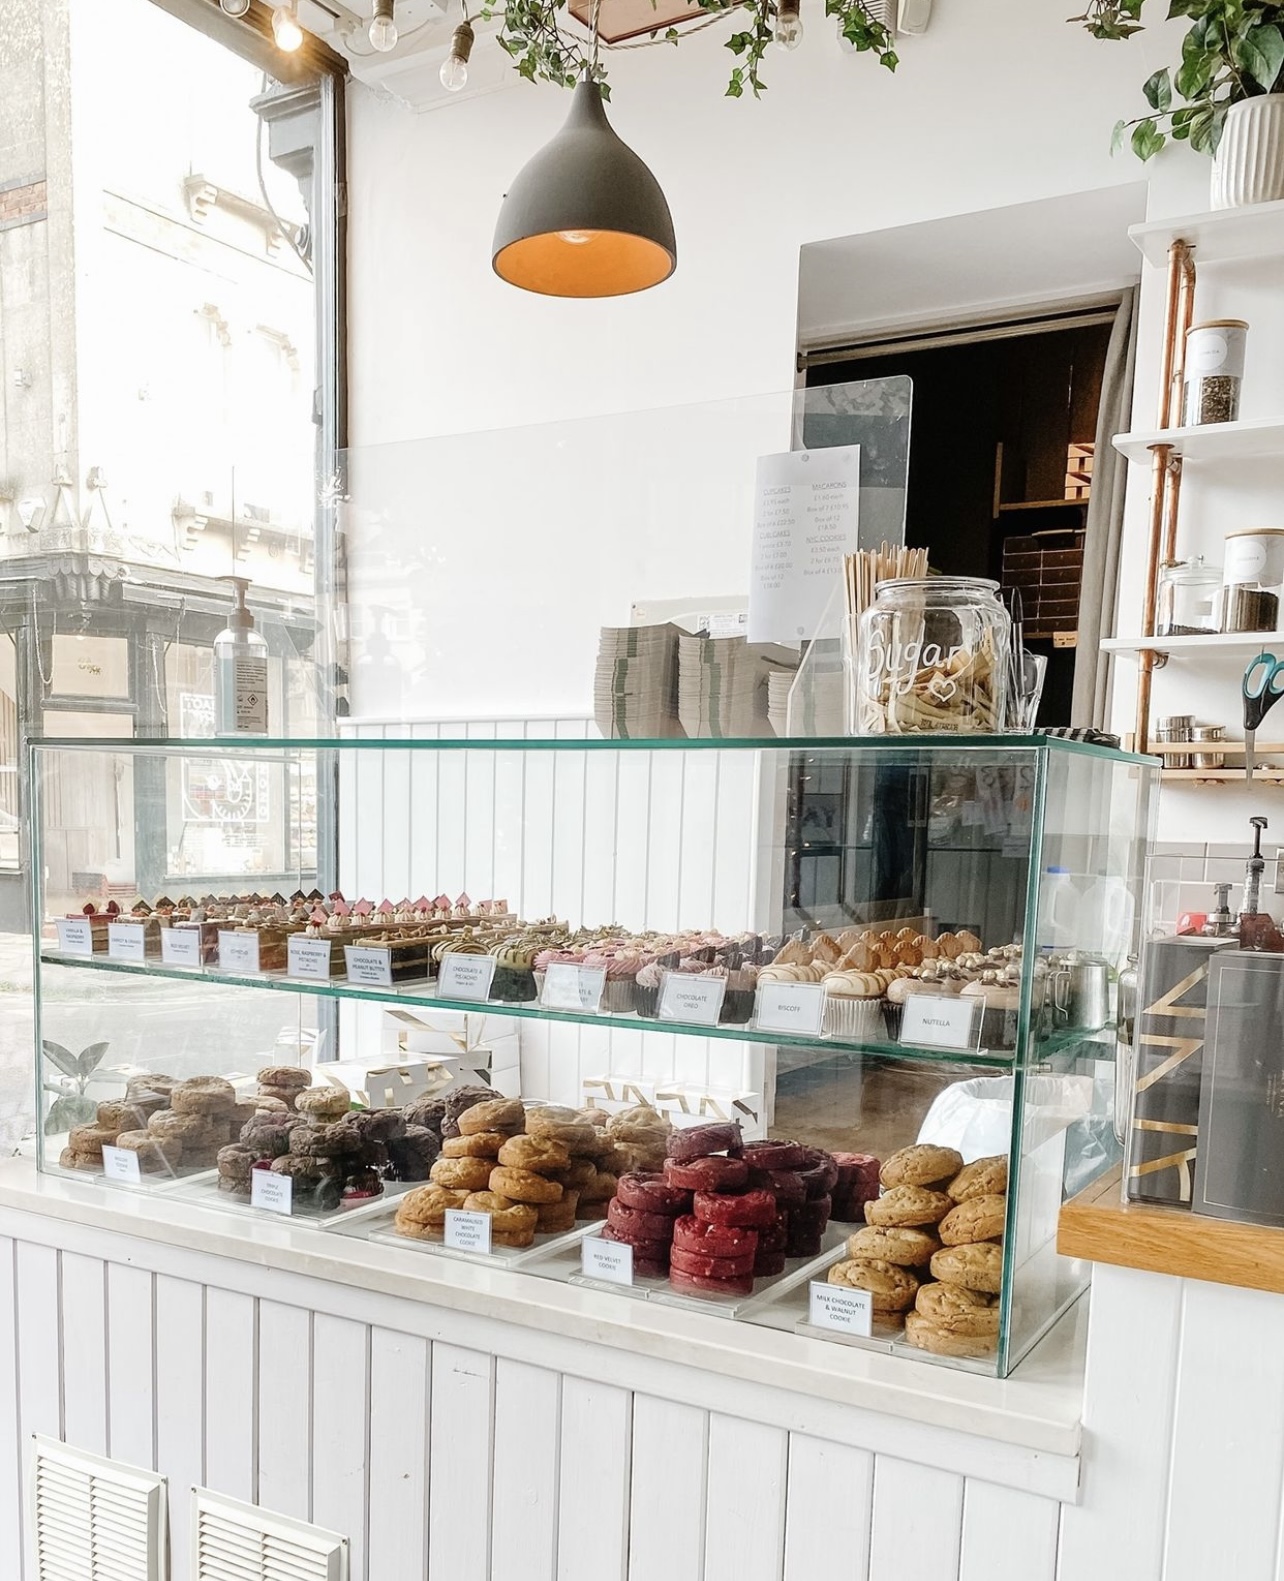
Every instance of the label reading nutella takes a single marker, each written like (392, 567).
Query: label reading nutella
(126, 941)
(306, 957)
(465, 976)
(121, 1165)
(610, 1261)
(272, 1193)
(694, 999)
(238, 952)
(466, 1231)
(369, 965)
(841, 1309)
(790, 1007)
(940, 1021)
(568, 987)
(74, 936)
(181, 946)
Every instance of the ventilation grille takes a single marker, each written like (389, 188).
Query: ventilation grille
(95, 1521)
(240, 1542)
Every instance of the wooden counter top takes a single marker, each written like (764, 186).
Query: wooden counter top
(1098, 1226)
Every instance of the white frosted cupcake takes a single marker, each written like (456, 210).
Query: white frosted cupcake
(853, 1005)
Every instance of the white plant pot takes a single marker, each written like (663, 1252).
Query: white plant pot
(1248, 166)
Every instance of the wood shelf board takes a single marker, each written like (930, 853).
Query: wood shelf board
(1098, 1226)
(1261, 436)
(1040, 505)
(1261, 776)
(1228, 642)
(1219, 236)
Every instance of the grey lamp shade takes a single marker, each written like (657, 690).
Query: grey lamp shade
(585, 217)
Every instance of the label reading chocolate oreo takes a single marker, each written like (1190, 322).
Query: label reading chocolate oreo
(694, 999)
(465, 976)
(74, 936)
(121, 1165)
(843, 1310)
(610, 1261)
(790, 1007)
(466, 1231)
(568, 987)
(272, 1192)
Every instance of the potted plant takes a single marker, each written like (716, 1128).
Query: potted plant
(1225, 98)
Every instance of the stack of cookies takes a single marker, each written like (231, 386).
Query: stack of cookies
(856, 1185)
(801, 1180)
(643, 1214)
(716, 1247)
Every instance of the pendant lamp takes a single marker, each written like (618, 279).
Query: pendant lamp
(585, 217)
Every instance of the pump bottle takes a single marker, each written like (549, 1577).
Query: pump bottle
(240, 671)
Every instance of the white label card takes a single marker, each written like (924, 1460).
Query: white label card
(272, 1193)
(806, 518)
(122, 1165)
(467, 1231)
(568, 987)
(694, 999)
(369, 965)
(840, 1308)
(790, 1007)
(75, 937)
(608, 1260)
(238, 952)
(940, 1021)
(181, 946)
(465, 976)
(308, 957)
(126, 941)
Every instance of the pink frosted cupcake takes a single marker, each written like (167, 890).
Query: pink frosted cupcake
(621, 981)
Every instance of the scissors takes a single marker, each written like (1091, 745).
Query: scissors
(1262, 688)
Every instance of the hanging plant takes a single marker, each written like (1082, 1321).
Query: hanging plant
(545, 49)
(1233, 50)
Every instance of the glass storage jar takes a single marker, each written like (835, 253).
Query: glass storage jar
(933, 658)
(1189, 595)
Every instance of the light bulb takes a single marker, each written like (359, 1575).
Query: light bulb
(454, 74)
(383, 30)
(789, 29)
(576, 238)
(285, 28)
(235, 7)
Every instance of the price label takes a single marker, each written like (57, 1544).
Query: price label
(272, 1193)
(465, 976)
(122, 1165)
(694, 999)
(368, 965)
(126, 941)
(308, 957)
(467, 1231)
(841, 1309)
(238, 952)
(181, 946)
(942, 1021)
(607, 1260)
(568, 987)
(74, 936)
(790, 1007)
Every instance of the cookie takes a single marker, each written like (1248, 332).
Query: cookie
(742, 1285)
(707, 1174)
(923, 1334)
(209, 1096)
(594, 1116)
(426, 1112)
(643, 1115)
(601, 1188)
(522, 1185)
(766, 1265)
(514, 1238)
(577, 1173)
(543, 1155)
(121, 1115)
(652, 1251)
(639, 1224)
(411, 1156)
(192, 1128)
(921, 1165)
(481, 1144)
(985, 1177)
(428, 1204)
(304, 1170)
(712, 1267)
(699, 1141)
(950, 1301)
(155, 1156)
(70, 1159)
(378, 1125)
(975, 1219)
(977, 1267)
(91, 1139)
(235, 1161)
(421, 1230)
(786, 1186)
(753, 1209)
(323, 1104)
(554, 1218)
(643, 1135)
(574, 1138)
(287, 1077)
(714, 1240)
(496, 1114)
(149, 1085)
(631, 1158)
(457, 1102)
(906, 1248)
(908, 1206)
(818, 1173)
(506, 1216)
(774, 1155)
(462, 1174)
(651, 1193)
(892, 1287)
(285, 1096)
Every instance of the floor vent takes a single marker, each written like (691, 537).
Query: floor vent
(232, 1541)
(95, 1520)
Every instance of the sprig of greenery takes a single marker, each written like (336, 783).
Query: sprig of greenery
(1234, 50)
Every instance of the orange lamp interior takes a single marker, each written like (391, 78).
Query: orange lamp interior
(584, 263)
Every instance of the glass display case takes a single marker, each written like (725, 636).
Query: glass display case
(816, 1034)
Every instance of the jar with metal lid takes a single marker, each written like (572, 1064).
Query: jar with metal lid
(933, 658)
(1201, 737)
(1170, 729)
(1189, 597)
(1214, 370)
(1254, 558)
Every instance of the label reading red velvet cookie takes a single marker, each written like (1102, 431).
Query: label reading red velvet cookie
(611, 1261)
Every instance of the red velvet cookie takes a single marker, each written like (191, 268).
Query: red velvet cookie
(812, 1215)
(819, 1173)
(773, 1237)
(711, 1267)
(637, 1225)
(742, 1286)
(653, 1194)
(649, 1250)
(786, 1186)
(699, 1141)
(649, 1268)
(767, 1264)
(775, 1155)
(707, 1174)
(856, 1166)
(757, 1209)
(713, 1240)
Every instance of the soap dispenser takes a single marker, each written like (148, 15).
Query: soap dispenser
(240, 671)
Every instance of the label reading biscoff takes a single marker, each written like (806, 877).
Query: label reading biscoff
(841, 1309)
(610, 1261)
(790, 1007)
(467, 1232)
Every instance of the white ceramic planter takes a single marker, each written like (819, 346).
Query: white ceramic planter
(1249, 164)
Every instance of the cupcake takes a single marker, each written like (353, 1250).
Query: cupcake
(853, 1005)
(742, 985)
(1000, 994)
(646, 986)
(514, 979)
(619, 990)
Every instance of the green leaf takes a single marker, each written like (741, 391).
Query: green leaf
(1201, 131)
(63, 1058)
(68, 1111)
(1261, 54)
(1147, 139)
(1117, 136)
(91, 1058)
(1159, 91)
(1183, 8)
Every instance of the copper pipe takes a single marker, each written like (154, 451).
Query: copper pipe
(1172, 497)
(1159, 462)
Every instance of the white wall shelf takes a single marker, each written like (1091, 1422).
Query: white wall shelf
(1221, 236)
(1209, 441)
(1232, 643)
